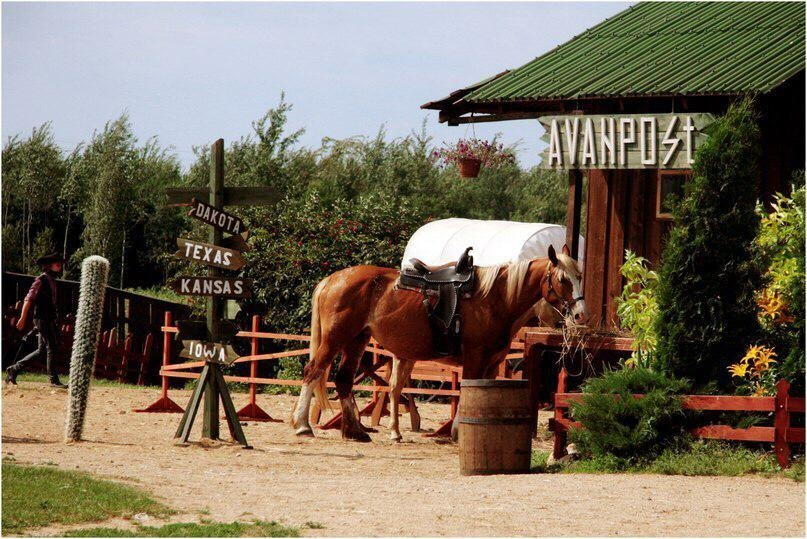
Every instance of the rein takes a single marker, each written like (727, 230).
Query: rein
(566, 305)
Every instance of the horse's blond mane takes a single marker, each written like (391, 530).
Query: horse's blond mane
(517, 274)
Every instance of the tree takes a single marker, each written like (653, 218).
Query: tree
(708, 276)
(119, 188)
(33, 173)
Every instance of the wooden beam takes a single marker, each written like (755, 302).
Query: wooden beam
(504, 117)
(215, 306)
(573, 211)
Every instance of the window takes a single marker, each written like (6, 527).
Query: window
(669, 190)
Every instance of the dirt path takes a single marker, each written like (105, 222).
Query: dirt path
(381, 488)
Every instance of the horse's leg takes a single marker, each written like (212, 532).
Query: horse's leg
(351, 356)
(400, 375)
(316, 368)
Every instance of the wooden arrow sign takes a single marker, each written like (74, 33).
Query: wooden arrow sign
(226, 330)
(210, 255)
(193, 329)
(223, 287)
(217, 218)
(236, 242)
(208, 351)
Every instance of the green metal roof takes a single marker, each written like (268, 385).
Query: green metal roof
(666, 48)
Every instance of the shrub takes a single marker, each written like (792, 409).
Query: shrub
(637, 308)
(615, 423)
(709, 273)
(780, 242)
(301, 242)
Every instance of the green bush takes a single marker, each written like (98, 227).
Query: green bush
(301, 242)
(637, 308)
(615, 423)
(780, 242)
(709, 273)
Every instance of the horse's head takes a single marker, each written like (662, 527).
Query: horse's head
(562, 286)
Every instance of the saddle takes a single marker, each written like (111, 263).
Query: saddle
(448, 283)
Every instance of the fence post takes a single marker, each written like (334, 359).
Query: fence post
(559, 447)
(253, 412)
(455, 401)
(781, 422)
(164, 404)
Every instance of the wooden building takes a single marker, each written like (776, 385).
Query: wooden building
(651, 62)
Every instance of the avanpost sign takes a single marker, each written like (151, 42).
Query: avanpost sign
(618, 141)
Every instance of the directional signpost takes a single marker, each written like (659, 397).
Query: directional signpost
(210, 255)
(225, 287)
(208, 351)
(209, 342)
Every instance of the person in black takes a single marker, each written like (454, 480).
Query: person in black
(42, 297)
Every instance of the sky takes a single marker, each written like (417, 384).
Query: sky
(190, 73)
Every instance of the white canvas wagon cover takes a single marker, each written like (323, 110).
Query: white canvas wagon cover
(494, 242)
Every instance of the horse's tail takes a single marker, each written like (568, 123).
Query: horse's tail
(320, 383)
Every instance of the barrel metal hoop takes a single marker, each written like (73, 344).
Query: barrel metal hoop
(494, 383)
(495, 420)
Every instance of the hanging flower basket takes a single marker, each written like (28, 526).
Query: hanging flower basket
(469, 167)
(470, 155)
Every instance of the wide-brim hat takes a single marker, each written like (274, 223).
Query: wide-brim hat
(47, 260)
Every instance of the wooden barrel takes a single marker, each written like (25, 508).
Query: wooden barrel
(494, 430)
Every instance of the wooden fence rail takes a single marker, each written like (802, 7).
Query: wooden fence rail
(378, 371)
(782, 435)
(137, 317)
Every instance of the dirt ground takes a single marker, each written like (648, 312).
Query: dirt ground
(380, 488)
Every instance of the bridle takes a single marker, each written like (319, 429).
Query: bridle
(567, 306)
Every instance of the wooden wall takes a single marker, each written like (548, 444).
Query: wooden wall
(621, 214)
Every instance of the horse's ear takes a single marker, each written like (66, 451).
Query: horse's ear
(553, 257)
(565, 250)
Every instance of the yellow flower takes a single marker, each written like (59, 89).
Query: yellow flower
(738, 369)
(753, 353)
(765, 358)
(759, 391)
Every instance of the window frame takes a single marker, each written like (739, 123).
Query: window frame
(686, 173)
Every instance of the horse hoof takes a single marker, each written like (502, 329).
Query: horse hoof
(304, 431)
(395, 437)
(359, 436)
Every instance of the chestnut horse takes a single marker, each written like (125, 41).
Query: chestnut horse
(351, 305)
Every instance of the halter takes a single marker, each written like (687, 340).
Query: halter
(567, 305)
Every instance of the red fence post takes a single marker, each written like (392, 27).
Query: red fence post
(253, 412)
(164, 404)
(559, 446)
(781, 422)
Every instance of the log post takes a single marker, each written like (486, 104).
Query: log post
(210, 416)
(781, 422)
(164, 404)
(573, 211)
(559, 448)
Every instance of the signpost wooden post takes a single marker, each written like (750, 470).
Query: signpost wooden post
(218, 255)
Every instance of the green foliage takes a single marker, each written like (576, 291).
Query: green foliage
(637, 308)
(615, 423)
(780, 243)
(106, 198)
(36, 496)
(33, 173)
(256, 528)
(692, 458)
(300, 242)
(709, 274)
(121, 198)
